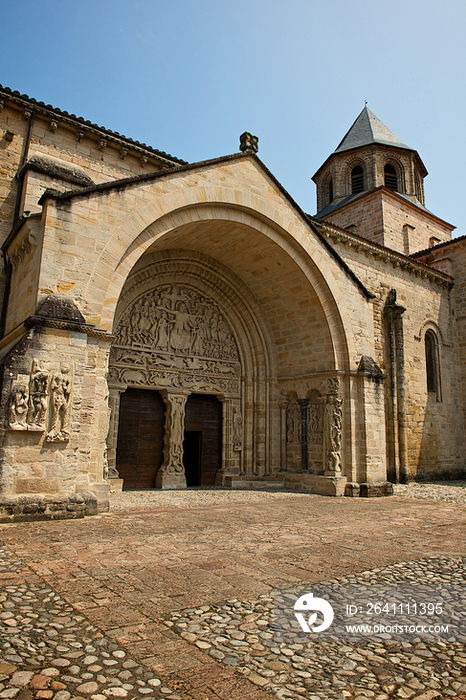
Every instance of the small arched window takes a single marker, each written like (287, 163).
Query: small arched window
(357, 179)
(390, 177)
(432, 364)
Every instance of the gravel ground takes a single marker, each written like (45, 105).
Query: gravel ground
(149, 500)
(449, 491)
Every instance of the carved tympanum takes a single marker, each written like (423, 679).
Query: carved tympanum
(178, 320)
(174, 337)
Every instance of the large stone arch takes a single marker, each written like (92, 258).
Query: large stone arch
(296, 241)
(237, 249)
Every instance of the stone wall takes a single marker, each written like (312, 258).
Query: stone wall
(55, 418)
(434, 425)
(385, 218)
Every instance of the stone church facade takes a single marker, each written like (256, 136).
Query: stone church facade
(167, 324)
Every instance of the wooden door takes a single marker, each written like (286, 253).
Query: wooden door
(140, 438)
(204, 416)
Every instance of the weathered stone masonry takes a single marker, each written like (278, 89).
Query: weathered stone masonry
(192, 322)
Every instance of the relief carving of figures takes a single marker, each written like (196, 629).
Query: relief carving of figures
(314, 425)
(333, 428)
(18, 408)
(293, 422)
(237, 431)
(174, 434)
(60, 395)
(37, 397)
(178, 320)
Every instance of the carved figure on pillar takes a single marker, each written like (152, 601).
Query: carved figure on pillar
(293, 422)
(60, 396)
(37, 397)
(333, 434)
(237, 431)
(18, 408)
(171, 473)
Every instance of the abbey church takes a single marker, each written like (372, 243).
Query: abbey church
(169, 324)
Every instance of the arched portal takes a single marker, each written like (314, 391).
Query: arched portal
(229, 308)
(187, 328)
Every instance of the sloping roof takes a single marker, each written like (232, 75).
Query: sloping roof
(368, 129)
(15, 96)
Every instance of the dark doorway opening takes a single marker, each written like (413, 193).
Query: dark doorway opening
(192, 448)
(140, 438)
(203, 418)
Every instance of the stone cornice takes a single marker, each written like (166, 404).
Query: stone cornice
(87, 328)
(342, 237)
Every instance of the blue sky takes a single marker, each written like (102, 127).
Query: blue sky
(189, 76)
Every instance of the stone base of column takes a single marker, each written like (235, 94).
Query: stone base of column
(170, 480)
(376, 489)
(116, 484)
(352, 489)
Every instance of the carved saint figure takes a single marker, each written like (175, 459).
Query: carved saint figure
(60, 394)
(37, 397)
(293, 422)
(18, 408)
(237, 431)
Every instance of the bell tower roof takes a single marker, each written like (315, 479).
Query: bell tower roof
(368, 129)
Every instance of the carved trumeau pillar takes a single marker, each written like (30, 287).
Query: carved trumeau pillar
(171, 474)
(115, 393)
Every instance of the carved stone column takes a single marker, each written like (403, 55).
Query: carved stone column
(399, 448)
(304, 404)
(114, 394)
(171, 474)
(333, 428)
(282, 405)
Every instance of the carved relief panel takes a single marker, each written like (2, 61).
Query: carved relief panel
(175, 337)
(44, 399)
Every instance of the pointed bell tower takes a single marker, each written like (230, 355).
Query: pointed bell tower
(373, 185)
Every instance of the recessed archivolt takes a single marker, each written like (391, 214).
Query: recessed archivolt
(289, 233)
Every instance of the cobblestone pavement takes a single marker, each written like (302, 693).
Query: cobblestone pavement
(171, 595)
